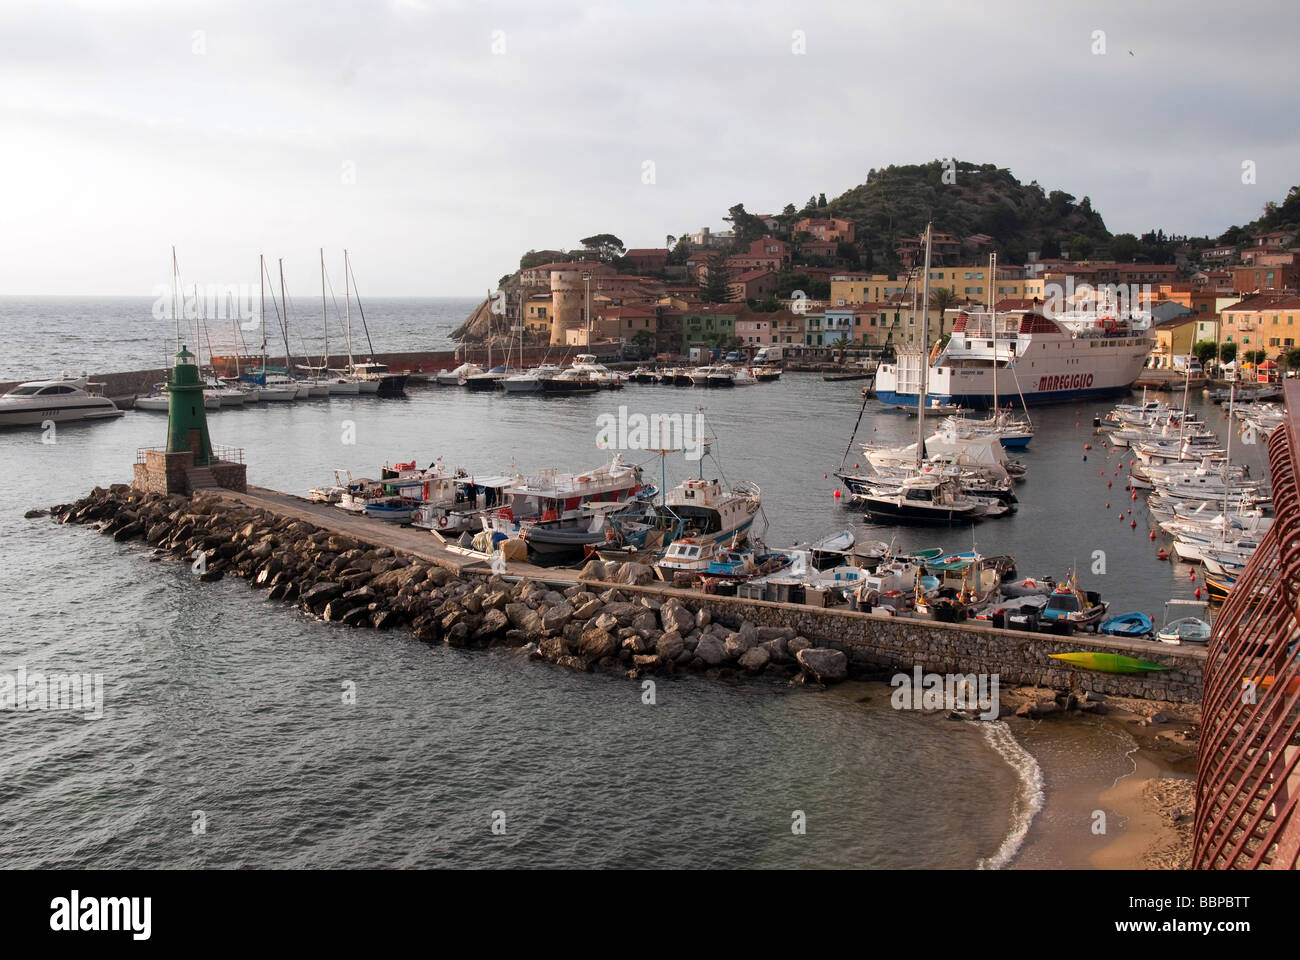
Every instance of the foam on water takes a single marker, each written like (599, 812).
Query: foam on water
(1027, 802)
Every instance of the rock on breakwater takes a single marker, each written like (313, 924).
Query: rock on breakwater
(340, 579)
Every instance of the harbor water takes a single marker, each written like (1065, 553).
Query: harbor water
(243, 733)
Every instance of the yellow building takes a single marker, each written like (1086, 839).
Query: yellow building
(965, 283)
(1174, 338)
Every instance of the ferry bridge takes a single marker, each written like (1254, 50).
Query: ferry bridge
(1247, 783)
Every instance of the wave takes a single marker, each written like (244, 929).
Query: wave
(1029, 799)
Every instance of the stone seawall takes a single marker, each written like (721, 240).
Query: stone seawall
(876, 643)
(605, 618)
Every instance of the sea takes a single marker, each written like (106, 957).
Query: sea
(237, 732)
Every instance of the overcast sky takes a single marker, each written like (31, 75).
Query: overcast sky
(440, 140)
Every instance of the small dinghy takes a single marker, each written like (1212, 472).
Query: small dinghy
(1185, 629)
(1128, 625)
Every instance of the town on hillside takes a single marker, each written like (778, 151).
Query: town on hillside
(796, 281)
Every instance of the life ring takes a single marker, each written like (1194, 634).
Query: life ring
(1028, 583)
(442, 521)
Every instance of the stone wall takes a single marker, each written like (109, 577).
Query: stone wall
(230, 476)
(164, 473)
(878, 642)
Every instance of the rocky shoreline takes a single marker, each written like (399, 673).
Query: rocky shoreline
(588, 626)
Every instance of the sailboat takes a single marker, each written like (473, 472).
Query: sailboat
(1011, 433)
(922, 496)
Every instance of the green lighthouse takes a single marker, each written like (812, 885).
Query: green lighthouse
(187, 422)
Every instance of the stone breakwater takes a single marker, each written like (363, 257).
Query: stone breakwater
(343, 580)
(609, 617)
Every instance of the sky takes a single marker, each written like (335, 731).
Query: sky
(438, 141)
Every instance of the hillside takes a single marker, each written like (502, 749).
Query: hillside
(896, 202)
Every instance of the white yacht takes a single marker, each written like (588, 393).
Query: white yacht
(604, 377)
(530, 381)
(62, 400)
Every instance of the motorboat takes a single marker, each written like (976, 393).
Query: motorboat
(922, 498)
(530, 381)
(1185, 630)
(62, 400)
(571, 380)
(156, 399)
(456, 377)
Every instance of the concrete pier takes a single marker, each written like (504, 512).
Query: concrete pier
(872, 642)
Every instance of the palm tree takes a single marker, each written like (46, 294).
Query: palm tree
(941, 298)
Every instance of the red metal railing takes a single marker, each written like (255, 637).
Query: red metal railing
(1247, 782)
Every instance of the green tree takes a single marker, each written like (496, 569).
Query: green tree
(1204, 350)
(644, 341)
(606, 246)
(680, 252)
(821, 200)
(1123, 247)
(941, 298)
(1292, 358)
(745, 225)
(1256, 356)
(1228, 351)
(1081, 247)
(715, 289)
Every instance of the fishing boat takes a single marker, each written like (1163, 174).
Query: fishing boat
(1071, 607)
(1132, 625)
(564, 540)
(565, 501)
(709, 515)
(1219, 587)
(743, 377)
(766, 374)
(1108, 662)
(334, 492)
(63, 400)
(392, 509)
(643, 375)
(744, 564)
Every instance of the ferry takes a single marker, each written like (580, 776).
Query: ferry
(1034, 357)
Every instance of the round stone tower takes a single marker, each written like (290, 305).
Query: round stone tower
(568, 299)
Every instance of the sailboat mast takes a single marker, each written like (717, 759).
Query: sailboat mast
(284, 303)
(261, 280)
(176, 312)
(993, 319)
(925, 346)
(347, 300)
(324, 319)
